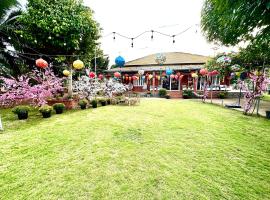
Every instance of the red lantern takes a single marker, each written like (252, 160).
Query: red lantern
(92, 75)
(203, 72)
(134, 78)
(176, 77)
(117, 75)
(214, 73)
(100, 77)
(181, 77)
(41, 63)
(127, 78)
(172, 76)
(178, 74)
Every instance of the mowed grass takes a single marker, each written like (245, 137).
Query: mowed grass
(161, 149)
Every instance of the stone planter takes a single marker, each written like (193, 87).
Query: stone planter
(69, 104)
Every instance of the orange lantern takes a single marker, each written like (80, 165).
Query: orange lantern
(41, 63)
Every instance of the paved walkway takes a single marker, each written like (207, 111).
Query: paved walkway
(264, 105)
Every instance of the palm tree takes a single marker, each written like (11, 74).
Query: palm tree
(9, 11)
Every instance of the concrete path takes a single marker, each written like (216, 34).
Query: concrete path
(264, 105)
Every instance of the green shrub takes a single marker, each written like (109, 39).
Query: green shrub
(162, 92)
(94, 103)
(187, 94)
(45, 109)
(59, 107)
(222, 95)
(108, 101)
(20, 109)
(83, 102)
(102, 101)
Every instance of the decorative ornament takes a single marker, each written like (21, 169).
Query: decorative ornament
(92, 75)
(235, 67)
(203, 72)
(178, 74)
(100, 77)
(176, 77)
(238, 74)
(163, 74)
(172, 76)
(158, 77)
(194, 75)
(150, 76)
(141, 72)
(135, 78)
(181, 77)
(214, 73)
(160, 59)
(120, 61)
(117, 75)
(78, 64)
(41, 63)
(169, 72)
(66, 72)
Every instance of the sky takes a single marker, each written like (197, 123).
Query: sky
(132, 17)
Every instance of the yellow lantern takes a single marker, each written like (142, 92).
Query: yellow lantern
(238, 73)
(66, 72)
(78, 64)
(150, 76)
(194, 75)
(158, 77)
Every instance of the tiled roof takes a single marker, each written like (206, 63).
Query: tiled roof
(172, 58)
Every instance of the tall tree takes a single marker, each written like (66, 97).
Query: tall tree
(58, 27)
(231, 22)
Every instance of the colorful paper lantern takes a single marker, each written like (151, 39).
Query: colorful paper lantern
(41, 63)
(120, 61)
(92, 75)
(158, 77)
(181, 77)
(163, 74)
(66, 72)
(141, 72)
(130, 78)
(172, 76)
(203, 72)
(214, 73)
(238, 74)
(176, 77)
(135, 78)
(100, 77)
(78, 64)
(169, 72)
(178, 74)
(194, 75)
(150, 76)
(117, 75)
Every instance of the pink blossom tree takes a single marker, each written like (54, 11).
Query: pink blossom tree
(32, 88)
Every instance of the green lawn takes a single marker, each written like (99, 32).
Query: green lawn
(162, 149)
(266, 97)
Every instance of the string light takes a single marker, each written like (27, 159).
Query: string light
(152, 36)
(113, 35)
(173, 39)
(132, 42)
(49, 37)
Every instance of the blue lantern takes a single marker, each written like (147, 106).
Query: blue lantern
(169, 72)
(120, 61)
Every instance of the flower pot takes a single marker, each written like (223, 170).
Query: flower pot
(22, 115)
(46, 114)
(267, 114)
(83, 107)
(59, 111)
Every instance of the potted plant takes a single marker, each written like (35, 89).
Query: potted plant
(162, 92)
(222, 95)
(102, 101)
(21, 111)
(83, 103)
(94, 103)
(187, 94)
(46, 111)
(267, 114)
(108, 101)
(59, 108)
(167, 96)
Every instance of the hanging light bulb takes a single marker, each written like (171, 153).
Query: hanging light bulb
(152, 36)
(9, 38)
(65, 44)
(35, 41)
(21, 36)
(49, 37)
(132, 42)
(113, 35)
(173, 39)
(80, 38)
